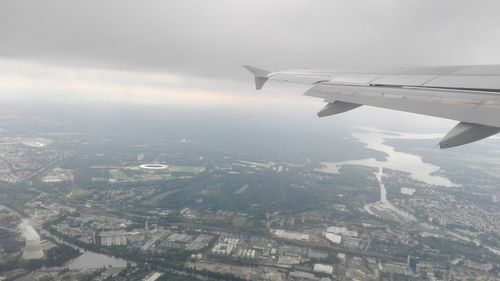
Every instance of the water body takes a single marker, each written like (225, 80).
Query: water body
(86, 260)
(94, 260)
(384, 206)
(410, 163)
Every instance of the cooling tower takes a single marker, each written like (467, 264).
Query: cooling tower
(33, 249)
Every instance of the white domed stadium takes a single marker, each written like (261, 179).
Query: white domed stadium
(153, 167)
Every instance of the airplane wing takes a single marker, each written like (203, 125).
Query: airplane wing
(469, 94)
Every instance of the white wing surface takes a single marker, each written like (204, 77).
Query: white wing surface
(469, 94)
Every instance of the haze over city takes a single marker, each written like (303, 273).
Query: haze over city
(134, 146)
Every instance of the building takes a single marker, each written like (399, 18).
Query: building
(352, 243)
(113, 238)
(407, 190)
(153, 276)
(323, 268)
(398, 268)
(316, 255)
(301, 275)
(342, 231)
(225, 246)
(291, 235)
(412, 263)
(334, 238)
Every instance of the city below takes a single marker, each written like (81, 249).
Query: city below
(146, 200)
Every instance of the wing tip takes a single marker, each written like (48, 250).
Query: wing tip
(257, 71)
(261, 75)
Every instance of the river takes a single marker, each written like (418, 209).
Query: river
(383, 207)
(413, 164)
(86, 260)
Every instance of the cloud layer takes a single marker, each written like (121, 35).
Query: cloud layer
(214, 38)
(191, 52)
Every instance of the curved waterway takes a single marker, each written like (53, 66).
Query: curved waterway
(413, 164)
(383, 207)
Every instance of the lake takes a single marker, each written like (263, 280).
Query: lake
(410, 163)
(94, 260)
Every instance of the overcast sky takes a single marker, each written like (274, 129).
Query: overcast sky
(193, 50)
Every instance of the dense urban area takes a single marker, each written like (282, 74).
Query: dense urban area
(93, 203)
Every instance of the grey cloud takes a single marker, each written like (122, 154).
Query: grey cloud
(213, 39)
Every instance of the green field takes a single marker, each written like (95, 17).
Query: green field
(153, 201)
(78, 194)
(118, 175)
(185, 169)
(241, 222)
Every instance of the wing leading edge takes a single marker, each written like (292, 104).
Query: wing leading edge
(469, 94)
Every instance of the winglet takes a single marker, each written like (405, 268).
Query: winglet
(261, 76)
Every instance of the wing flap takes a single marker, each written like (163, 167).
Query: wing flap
(466, 82)
(465, 133)
(336, 108)
(300, 78)
(403, 80)
(354, 79)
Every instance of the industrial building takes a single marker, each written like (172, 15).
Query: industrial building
(291, 235)
(113, 238)
(323, 268)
